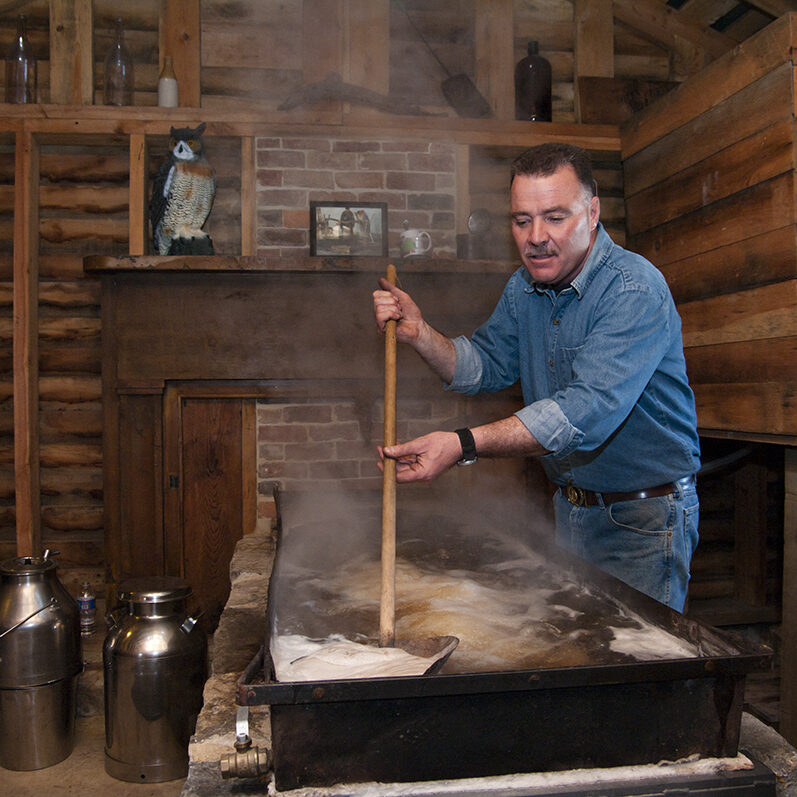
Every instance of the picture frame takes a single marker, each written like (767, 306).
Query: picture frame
(348, 229)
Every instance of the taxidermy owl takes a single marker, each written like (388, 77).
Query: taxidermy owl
(182, 195)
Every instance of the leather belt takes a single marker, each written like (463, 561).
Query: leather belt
(581, 497)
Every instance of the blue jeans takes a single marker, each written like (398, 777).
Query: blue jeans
(647, 543)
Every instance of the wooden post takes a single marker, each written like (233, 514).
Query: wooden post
(322, 43)
(593, 51)
(248, 196)
(180, 37)
(72, 52)
(368, 50)
(139, 204)
(495, 60)
(788, 653)
(26, 348)
(750, 533)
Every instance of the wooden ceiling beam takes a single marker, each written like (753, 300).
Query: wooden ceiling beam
(775, 7)
(662, 24)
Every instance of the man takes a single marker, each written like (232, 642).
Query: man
(592, 333)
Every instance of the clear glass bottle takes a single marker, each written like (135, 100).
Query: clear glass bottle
(167, 85)
(118, 84)
(21, 67)
(87, 606)
(533, 87)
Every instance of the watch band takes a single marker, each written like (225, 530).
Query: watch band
(468, 444)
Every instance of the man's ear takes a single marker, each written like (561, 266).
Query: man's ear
(594, 212)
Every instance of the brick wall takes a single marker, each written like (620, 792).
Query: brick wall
(416, 179)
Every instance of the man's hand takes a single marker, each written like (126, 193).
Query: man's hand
(425, 458)
(393, 304)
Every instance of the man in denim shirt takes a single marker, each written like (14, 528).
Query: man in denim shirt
(592, 333)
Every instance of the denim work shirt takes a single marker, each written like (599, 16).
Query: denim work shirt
(602, 369)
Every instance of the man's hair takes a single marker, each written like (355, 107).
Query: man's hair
(544, 159)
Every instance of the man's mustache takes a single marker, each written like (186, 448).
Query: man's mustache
(533, 251)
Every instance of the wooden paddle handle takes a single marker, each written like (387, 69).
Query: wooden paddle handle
(387, 604)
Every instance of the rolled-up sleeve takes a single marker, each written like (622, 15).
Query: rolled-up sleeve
(550, 427)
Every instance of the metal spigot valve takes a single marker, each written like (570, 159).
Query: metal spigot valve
(246, 761)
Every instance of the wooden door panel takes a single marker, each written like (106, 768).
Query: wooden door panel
(212, 493)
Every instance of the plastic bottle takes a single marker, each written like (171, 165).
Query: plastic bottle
(87, 606)
(21, 67)
(118, 85)
(167, 85)
(533, 87)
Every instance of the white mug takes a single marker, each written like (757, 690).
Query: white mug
(415, 242)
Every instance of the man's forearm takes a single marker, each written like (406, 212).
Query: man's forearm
(438, 351)
(506, 438)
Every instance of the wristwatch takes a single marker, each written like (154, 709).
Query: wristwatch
(468, 444)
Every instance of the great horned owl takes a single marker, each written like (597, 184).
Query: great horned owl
(182, 195)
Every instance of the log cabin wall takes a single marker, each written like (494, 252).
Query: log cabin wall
(78, 174)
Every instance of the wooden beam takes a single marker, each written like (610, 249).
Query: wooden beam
(368, 40)
(593, 50)
(656, 21)
(788, 653)
(248, 196)
(750, 532)
(180, 36)
(139, 204)
(26, 351)
(322, 43)
(775, 7)
(495, 63)
(71, 52)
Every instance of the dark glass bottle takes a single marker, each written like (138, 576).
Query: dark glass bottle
(21, 68)
(533, 87)
(118, 84)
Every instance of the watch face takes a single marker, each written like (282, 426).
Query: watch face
(479, 221)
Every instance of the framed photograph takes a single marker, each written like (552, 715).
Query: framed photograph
(351, 229)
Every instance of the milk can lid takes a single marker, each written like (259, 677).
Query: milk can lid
(154, 589)
(26, 566)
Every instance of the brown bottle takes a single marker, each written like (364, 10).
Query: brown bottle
(21, 68)
(533, 87)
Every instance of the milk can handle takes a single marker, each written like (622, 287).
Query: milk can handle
(52, 602)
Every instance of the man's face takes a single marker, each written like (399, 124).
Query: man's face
(553, 223)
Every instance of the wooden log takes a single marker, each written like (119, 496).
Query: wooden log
(83, 518)
(754, 108)
(761, 313)
(70, 422)
(738, 266)
(60, 266)
(90, 167)
(25, 336)
(71, 389)
(84, 198)
(248, 196)
(71, 51)
(101, 229)
(758, 408)
(56, 455)
(71, 329)
(85, 358)
(766, 206)
(614, 100)
(721, 79)
(71, 482)
(64, 294)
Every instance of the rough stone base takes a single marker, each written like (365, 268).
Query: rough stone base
(239, 636)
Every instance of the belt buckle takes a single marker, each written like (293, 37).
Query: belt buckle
(575, 495)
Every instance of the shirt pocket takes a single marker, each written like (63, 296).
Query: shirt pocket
(565, 357)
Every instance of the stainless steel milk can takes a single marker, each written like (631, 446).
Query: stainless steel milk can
(40, 662)
(155, 661)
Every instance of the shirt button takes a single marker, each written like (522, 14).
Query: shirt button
(555, 321)
(550, 362)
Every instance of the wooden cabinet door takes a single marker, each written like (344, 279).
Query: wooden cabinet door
(206, 473)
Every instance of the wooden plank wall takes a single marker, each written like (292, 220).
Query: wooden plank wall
(709, 176)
